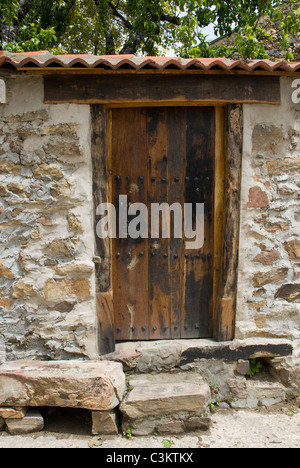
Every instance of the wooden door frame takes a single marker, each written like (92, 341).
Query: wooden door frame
(227, 191)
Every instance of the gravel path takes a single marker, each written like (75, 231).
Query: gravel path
(241, 429)
(254, 430)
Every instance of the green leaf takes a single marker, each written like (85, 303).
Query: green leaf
(167, 443)
(84, 26)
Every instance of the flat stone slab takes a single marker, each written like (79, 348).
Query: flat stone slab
(146, 380)
(93, 385)
(158, 399)
(32, 422)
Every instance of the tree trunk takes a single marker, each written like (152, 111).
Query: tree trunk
(9, 33)
(110, 44)
(133, 43)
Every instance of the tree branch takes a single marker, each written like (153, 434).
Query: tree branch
(119, 15)
(133, 43)
(170, 19)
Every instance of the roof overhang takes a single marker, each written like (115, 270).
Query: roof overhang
(45, 63)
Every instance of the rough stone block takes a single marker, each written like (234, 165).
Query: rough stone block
(268, 393)
(276, 275)
(267, 138)
(288, 375)
(293, 249)
(13, 413)
(268, 257)
(157, 356)
(23, 290)
(197, 423)
(163, 399)
(140, 427)
(104, 422)
(171, 427)
(55, 289)
(126, 354)
(75, 269)
(238, 388)
(5, 272)
(32, 422)
(44, 171)
(284, 166)
(288, 292)
(257, 198)
(94, 385)
(166, 425)
(243, 367)
(261, 392)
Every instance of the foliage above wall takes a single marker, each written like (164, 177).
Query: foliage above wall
(148, 27)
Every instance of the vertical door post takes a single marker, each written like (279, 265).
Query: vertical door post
(104, 293)
(225, 316)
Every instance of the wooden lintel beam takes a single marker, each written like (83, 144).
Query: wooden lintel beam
(122, 89)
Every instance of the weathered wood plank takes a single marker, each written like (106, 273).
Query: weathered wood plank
(146, 88)
(176, 160)
(226, 301)
(197, 319)
(219, 183)
(159, 255)
(236, 351)
(100, 191)
(128, 169)
(102, 246)
(105, 313)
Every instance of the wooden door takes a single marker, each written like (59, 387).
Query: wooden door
(162, 290)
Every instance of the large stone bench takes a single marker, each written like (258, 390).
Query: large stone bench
(93, 385)
(98, 386)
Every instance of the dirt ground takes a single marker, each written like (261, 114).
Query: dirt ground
(275, 428)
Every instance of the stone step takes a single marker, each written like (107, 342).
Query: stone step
(165, 404)
(93, 385)
(258, 392)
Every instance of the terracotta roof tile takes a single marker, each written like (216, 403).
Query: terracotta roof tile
(44, 59)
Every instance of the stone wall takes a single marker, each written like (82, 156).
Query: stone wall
(47, 306)
(269, 271)
(47, 281)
